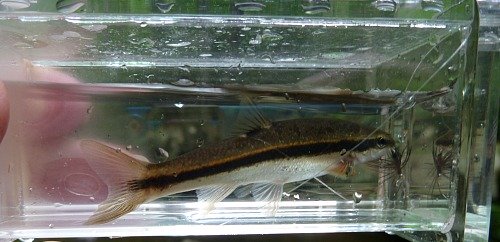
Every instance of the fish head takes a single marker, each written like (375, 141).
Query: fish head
(375, 147)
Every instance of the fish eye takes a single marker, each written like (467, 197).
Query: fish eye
(382, 142)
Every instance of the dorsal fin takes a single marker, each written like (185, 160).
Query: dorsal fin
(250, 118)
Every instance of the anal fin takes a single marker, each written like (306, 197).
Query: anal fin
(210, 195)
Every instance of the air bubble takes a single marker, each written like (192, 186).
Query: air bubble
(129, 147)
(163, 152)
(143, 24)
(51, 226)
(296, 196)
(179, 105)
(200, 142)
(118, 150)
(92, 199)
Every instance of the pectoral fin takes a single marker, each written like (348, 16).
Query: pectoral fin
(270, 193)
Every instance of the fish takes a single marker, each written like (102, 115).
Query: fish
(263, 158)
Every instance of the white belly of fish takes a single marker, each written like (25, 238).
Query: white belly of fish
(267, 179)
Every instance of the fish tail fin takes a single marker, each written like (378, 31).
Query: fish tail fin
(119, 171)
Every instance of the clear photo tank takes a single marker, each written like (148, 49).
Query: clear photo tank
(233, 86)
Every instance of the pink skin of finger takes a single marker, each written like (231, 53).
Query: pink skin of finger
(4, 111)
(46, 121)
(56, 115)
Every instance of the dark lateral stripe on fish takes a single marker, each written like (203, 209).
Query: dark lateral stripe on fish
(292, 151)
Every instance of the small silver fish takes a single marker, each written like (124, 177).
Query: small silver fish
(264, 158)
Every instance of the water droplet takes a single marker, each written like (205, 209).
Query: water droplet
(15, 4)
(249, 6)
(206, 55)
(26, 239)
(256, 41)
(438, 59)
(22, 45)
(51, 226)
(432, 5)
(357, 197)
(165, 7)
(200, 142)
(183, 82)
(69, 6)
(315, 9)
(269, 35)
(71, 34)
(129, 147)
(180, 44)
(185, 68)
(202, 122)
(179, 105)
(143, 24)
(95, 27)
(343, 152)
(344, 107)
(385, 5)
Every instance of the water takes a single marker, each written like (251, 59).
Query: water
(163, 86)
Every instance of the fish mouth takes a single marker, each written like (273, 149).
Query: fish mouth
(372, 155)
